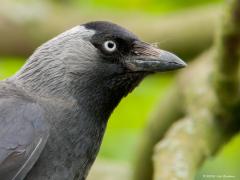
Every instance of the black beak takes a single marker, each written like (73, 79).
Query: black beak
(151, 59)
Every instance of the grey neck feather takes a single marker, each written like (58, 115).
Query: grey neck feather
(48, 71)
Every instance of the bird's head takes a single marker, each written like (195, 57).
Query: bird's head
(116, 57)
(116, 45)
(96, 56)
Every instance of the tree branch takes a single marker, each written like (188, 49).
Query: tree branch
(227, 59)
(21, 33)
(190, 141)
(186, 145)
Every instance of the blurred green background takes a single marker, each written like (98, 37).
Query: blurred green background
(130, 117)
(150, 6)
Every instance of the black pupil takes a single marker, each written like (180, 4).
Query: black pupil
(110, 45)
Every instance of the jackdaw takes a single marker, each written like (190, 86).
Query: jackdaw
(54, 110)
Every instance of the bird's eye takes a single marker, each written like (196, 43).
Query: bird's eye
(110, 46)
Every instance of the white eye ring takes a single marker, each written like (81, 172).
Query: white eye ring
(110, 46)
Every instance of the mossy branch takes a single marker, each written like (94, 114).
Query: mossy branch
(191, 140)
(185, 146)
(210, 98)
(227, 59)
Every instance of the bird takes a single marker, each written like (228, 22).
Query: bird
(55, 109)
